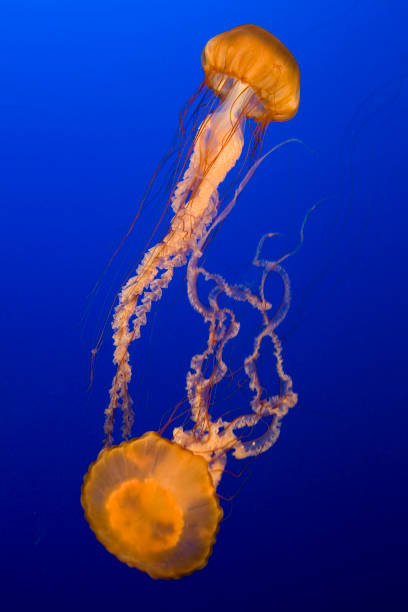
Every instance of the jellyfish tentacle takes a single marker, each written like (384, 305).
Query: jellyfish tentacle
(217, 147)
(213, 439)
(197, 384)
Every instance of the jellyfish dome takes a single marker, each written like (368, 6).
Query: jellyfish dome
(257, 59)
(152, 504)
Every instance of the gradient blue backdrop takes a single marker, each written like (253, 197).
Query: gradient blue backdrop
(90, 93)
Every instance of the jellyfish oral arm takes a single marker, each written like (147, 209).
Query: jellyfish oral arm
(218, 145)
(213, 439)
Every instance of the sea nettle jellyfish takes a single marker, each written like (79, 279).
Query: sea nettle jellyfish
(150, 501)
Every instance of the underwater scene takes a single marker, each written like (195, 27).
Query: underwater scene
(204, 305)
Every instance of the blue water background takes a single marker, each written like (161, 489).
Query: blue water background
(90, 97)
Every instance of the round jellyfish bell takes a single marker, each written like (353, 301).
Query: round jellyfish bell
(152, 504)
(255, 58)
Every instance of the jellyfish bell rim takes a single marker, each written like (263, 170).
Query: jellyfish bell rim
(154, 564)
(276, 99)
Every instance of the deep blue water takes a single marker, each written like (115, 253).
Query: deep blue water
(90, 97)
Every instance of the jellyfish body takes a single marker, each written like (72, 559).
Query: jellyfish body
(251, 55)
(152, 502)
(254, 75)
(153, 505)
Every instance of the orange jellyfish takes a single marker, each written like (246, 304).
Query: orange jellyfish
(152, 502)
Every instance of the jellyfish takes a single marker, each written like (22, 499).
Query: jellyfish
(254, 76)
(152, 504)
(150, 501)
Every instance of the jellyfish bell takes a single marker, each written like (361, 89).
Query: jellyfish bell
(255, 58)
(153, 505)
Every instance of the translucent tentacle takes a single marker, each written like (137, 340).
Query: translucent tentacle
(217, 147)
(213, 439)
